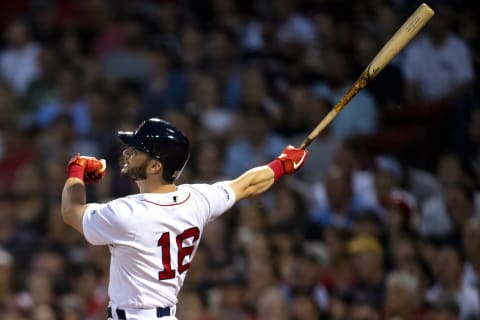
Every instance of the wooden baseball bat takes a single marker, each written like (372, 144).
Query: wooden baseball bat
(395, 44)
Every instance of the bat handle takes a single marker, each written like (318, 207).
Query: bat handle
(305, 143)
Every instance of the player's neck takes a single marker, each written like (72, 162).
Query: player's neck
(147, 186)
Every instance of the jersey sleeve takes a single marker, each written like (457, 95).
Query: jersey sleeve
(220, 197)
(108, 223)
(223, 202)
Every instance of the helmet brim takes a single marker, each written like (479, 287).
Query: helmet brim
(128, 138)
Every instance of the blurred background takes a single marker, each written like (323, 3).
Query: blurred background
(381, 222)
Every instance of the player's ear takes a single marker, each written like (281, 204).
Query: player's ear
(155, 166)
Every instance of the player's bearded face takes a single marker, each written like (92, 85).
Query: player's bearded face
(136, 173)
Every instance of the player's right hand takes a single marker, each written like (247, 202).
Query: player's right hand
(293, 158)
(93, 169)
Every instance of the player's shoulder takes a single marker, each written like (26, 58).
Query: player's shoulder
(197, 188)
(117, 211)
(202, 187)
(213, 190)
(122, 207)
(126, 200)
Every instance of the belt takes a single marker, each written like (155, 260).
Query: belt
(122, 315)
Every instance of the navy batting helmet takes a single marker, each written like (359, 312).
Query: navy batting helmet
(162, 141)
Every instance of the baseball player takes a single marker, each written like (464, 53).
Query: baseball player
(153, 235)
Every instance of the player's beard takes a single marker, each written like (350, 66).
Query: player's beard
(135, 173)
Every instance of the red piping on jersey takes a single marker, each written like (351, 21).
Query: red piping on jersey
(168, 205)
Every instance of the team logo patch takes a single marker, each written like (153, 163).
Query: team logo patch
(227, 195)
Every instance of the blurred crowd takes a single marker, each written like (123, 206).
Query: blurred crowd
(381, 223)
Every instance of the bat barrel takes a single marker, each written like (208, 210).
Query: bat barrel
(395, 44)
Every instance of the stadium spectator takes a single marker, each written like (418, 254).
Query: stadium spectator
(19, 60)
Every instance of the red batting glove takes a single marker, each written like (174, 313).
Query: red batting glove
(88, 169)
(290, 160)
(96, 176)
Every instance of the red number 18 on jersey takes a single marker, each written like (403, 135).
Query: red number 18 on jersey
(183, 252)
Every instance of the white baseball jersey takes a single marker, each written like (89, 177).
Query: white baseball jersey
(152, 239)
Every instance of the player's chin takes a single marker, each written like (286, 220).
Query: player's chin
(127, 172)
(123, 164)
(124, 171)
(124, 167)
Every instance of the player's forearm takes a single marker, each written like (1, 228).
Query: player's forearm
(257, 180)
(73, 203)
(253, 182)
